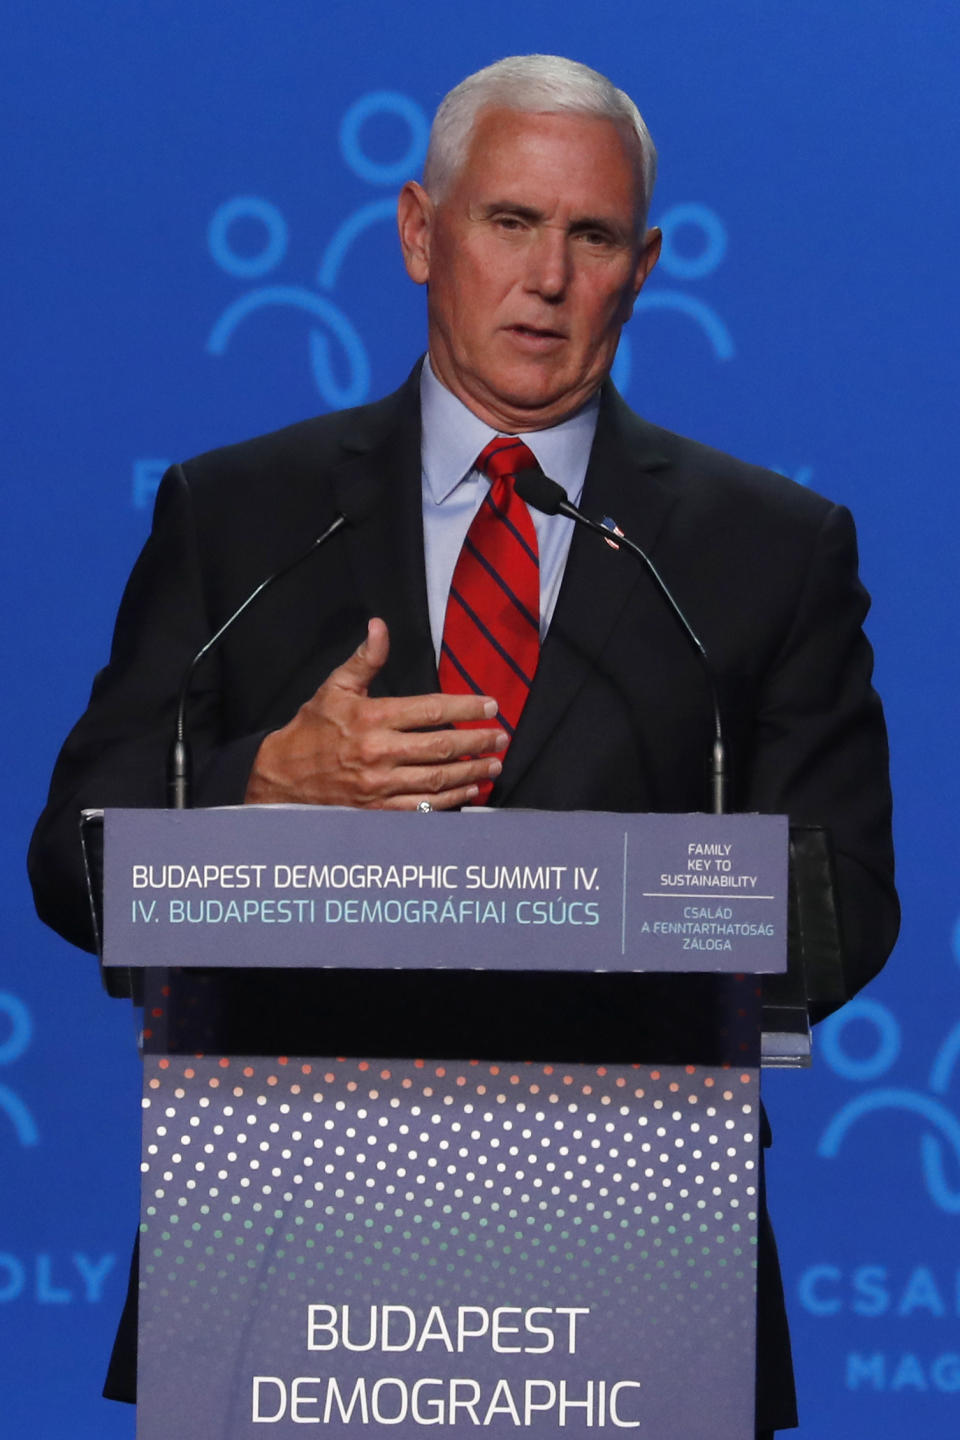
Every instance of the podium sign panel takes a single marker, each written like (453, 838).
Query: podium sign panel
(384, 1246)
(308, 887)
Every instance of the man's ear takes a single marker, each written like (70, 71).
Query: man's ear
(415, 223)
(649, 255)
(647, 258)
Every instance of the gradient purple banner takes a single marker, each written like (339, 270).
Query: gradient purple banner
(310, 887)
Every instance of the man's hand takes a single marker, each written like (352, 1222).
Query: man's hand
(343, 748)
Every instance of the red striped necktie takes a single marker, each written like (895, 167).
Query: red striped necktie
(491, 634)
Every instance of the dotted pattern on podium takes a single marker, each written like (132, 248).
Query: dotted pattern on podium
(363, 1183)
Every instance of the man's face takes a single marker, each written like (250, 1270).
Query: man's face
(532, 261)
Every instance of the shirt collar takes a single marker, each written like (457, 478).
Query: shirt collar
(452, 438)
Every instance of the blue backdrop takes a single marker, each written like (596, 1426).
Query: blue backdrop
(197, 202)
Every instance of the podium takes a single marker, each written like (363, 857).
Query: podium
(452, 1123)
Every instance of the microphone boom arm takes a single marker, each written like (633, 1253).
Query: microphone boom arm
(179, 760)
(545, 494)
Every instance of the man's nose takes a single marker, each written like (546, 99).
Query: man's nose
(548, 271)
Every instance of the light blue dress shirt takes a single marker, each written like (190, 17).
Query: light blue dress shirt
(452, 438)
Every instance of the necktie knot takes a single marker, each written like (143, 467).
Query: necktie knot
(504, 457)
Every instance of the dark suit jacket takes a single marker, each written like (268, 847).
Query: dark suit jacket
(619, 717)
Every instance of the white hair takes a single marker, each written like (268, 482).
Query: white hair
(539, 85)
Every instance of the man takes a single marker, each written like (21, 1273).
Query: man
(348, 684)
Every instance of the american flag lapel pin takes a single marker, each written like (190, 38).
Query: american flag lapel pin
(609, 523)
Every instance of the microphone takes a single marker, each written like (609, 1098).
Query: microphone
(356, 502)
(544, 494)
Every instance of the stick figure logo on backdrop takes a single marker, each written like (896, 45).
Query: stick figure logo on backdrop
(926, 1111)
(16, 1032)
(337, 355)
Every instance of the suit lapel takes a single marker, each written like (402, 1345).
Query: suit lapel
(625, 481)
(387, 547)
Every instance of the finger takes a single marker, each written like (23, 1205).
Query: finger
(449, 800)
(381, 751)
(357, 673)
(426, 712)
(376, 646)
(431, 782)
(432, 746)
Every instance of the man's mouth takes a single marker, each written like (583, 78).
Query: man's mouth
(536, 332)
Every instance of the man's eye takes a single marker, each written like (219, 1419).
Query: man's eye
(509, 222)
